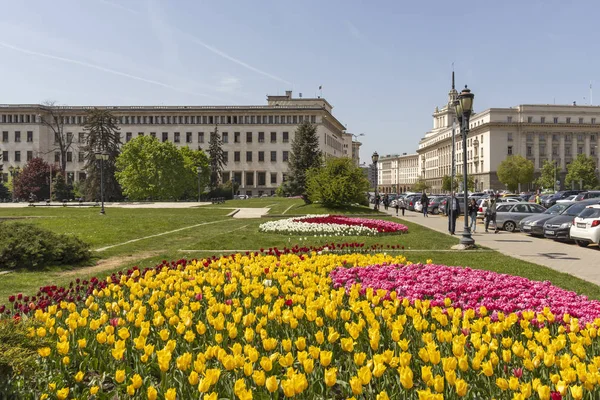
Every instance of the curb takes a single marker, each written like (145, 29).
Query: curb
(231, 214)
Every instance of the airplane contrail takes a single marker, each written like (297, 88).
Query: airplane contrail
(103, 69)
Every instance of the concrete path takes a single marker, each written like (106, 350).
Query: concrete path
(581, 262)
(251, 212)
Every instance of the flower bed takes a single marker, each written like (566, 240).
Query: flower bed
(468, 289)
(334, 225)
(273, 326)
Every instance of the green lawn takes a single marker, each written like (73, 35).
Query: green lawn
(225, 235)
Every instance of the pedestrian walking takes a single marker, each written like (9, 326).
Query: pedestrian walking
(424, 203)
(473, 215)
(402, 201)
(397, 205)
(386, 201)
(490, 215)
(452, 210)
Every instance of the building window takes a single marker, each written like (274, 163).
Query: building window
(200, 137)
(579, 138)
(568, 150)
(286, 137)
(225, 137)
(261, 156)
(17, 156)
(273, 137)
(236, 156)
(273, 156)
(593, 120)
(69, 156)
(529, 137)
(248, 156)
(542, 150)
(285, 156)
(555, 137)
(509, 151)
(529, 151)
(5, 136)
(529, 119)
(543, 120)
(261, 137)
(165, 136)
(568, 120)
(592, 151)
(56, 156)
(509, 119)
(556, 120)
(236, 137)
(5, 156)
(273, 178)
(29, 155)
(313, 119)
(295, 119)
(29, 136)
(581, 120)
(248, 137)
(140, 134)
(17, 136)
(262, 178)
(177, 137)
(81, 156)
(188, 137)
(579, 149)
(225, 160)
(249, 178)
(509, 136)
(127, 136)
(226, 176)
(270, 119)
(554, 150)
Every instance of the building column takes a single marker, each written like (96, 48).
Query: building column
(561, 151)
(574, 145)
(536, 151)
(586, 147)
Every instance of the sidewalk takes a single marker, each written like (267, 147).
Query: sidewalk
(581, 262)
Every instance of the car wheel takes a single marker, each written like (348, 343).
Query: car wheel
(435, 211)
(581, 243)
(509, 226)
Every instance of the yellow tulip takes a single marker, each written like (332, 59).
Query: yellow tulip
(79, 376)
(356, 385)
(62, 394)
(44, 351)
(272, 384)
(359, 358)
(544, 392)
(347, 344)
(487, 368)
(94, 390)
(438, 383)
(426, 375)
(461, 387)
(266, 364)
(120, 376)
(365, 375)
(382, 396)
(152, 393)
(325, 358)
(130, 390)
(502, 383)
(379, 369)
(330, 376)
(577, 392)
(406, 377)
(308, 365)
(259, 378)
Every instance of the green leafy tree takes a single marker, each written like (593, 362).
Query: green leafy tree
(515, 170)
(583, 169)
(60, 189)
(549, 173)
(4, 192)
(339, 183)
(102, 136)
(147, 168)
(447, 183)
(305, 155)
(216, 158)
(192, 159)
(458, 181)
(33, 179)
(420, 186)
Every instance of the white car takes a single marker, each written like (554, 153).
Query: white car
(567, 199)
(586, 226)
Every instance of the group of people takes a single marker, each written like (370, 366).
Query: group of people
(382, 199)
(453, 211)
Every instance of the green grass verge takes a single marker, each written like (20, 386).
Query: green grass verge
(229, 235)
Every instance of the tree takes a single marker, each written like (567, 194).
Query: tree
(33, 179)
(54, 118)
(305, 155)
(192, 159)
(102, 135)
(583, 170)
(4, 192)
(458, 181)
(548, 176)
(147, 168)
(447, 183)
(420, 185)
(216, 158)
(60, 189)
(515, 170)
(339, 183)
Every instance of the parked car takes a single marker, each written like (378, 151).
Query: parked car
(509, 214)
(585, 228)
(567, 199)
(534, 224)
(587, 195)
(435, 205)
(411, 201)
(551, 200)
(483, 204)
(558, 228)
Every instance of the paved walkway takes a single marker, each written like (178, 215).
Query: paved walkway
(251, 212)
(581, 262)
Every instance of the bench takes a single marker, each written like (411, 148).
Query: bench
(217, 200)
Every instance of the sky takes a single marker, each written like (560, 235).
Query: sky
(383, 65)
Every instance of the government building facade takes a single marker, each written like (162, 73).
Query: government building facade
(256, 139)
(538, 132)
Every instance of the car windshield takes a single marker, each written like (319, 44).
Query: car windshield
(575, 210)
(556, 209)
(590, 213)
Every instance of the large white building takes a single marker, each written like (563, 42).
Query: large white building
(397, 173)
(256, 139)
(538, 132)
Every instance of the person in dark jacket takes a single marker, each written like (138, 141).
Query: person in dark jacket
(452, 210)
(473, 215)
(490, 215)
(424, 203)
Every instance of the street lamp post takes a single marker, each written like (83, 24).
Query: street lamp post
(464, 107)
(199, 170)
(102, 156)
(14, 173)
(375, 158)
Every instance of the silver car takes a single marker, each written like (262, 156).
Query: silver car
(508, 215)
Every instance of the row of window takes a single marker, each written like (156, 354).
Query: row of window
(17, 137)
(556, 120)
(18, 118)
(285, 137)
(213, 120)
(555, 137)
(555, 151)
(261, 178)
